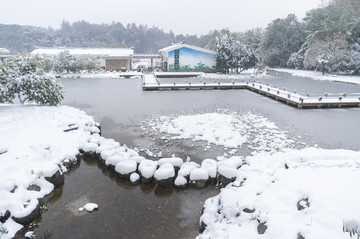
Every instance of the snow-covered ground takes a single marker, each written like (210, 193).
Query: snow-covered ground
(316, 75)
(310, 192)
(36, 141)
(97, 75)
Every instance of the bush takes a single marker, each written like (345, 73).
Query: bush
(24, 78)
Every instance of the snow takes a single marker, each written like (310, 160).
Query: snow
(227, 170)
(147, 168)
(89, 147)
(325, 178)
(126, 166)
(187, 167)
(211, 166)
(97, 75)
(175, 161)
(199, 174)
(316, 75)
(224, 128)
(165, 171)
(29, 234)
(180, 181)
(35, 141)
(134, 177)
(89, 207)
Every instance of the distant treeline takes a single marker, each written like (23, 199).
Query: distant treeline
(328, 38)
(142, 38)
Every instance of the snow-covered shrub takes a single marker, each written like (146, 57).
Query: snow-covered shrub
(24, 78)
(296, 60)
(87, 62)
(233, 55)
(65, 62)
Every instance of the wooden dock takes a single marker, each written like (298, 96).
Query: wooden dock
(150, 82)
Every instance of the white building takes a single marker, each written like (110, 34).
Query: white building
(185, 57)
(111, 58)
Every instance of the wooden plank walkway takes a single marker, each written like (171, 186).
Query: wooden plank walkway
(290, 98)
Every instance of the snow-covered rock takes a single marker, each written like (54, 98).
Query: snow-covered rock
(89, 207)
(134, 177)
(316, 196)
(147, 169)
(180, 181)
(115, 158)
(200, 176)
(38, 143)
(126, 167)
(175, 161)
(227, 173)
(165, 174)
(211, 166)
(186, 169)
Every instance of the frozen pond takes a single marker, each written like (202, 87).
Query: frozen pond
(126, 112)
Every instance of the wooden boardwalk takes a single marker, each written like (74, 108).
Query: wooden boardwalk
(150, 82)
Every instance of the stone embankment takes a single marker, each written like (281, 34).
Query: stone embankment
(174, 171)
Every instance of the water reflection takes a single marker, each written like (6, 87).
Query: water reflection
(125, 210)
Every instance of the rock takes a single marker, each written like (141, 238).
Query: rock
(175, 161)
(262, 228)
(29, 218)
(57, 179)
(227, 174)
(126, 167)
(248, 210)
(302, 204)
(180, 181)
(4, 217)
(33, 187)
(186, 169)
(134, 178)
(299, 236)
(147, 169)
(211, 166)
(200, 177)
(89, 207)
(165, 174)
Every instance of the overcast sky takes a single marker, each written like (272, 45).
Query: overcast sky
(182, 16)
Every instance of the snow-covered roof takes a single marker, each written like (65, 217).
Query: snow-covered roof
(4, 50)
(101, 52)
(180, 45)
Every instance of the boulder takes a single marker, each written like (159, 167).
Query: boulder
(165, 174)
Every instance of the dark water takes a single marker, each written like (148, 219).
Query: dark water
(143, 211)
(125, 210)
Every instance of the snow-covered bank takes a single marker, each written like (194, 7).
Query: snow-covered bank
(97, 75)
(36, 143)
(311, 192)
(245, 75)
(316, 75)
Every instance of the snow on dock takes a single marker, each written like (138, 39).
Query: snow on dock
(150, 79)
(283, 95)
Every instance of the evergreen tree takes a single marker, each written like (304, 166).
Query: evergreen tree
(282, 38)
(65, 62)
(24, 78)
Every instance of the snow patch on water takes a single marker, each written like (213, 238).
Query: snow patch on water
(225, 128)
